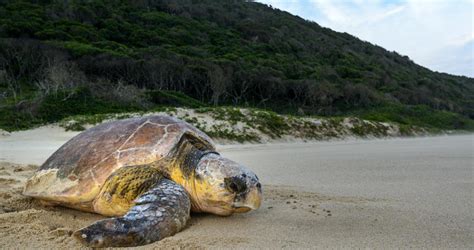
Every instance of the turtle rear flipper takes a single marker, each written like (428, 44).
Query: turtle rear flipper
(160, 212)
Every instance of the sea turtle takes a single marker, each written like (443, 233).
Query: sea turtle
(147, 174)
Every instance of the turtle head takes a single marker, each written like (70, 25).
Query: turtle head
(224, 187)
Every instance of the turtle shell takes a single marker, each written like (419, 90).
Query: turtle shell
(77, 170)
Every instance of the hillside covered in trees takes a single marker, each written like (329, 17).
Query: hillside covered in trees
(60, 58)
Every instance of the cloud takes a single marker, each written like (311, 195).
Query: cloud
(436, 34)
(460, 52)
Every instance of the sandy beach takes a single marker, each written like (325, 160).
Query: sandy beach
(411, 192)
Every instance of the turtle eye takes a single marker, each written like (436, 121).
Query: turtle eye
(235, 184)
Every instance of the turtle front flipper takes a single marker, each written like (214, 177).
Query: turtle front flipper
(160, 212)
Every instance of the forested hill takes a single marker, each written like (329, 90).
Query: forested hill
(104, 56)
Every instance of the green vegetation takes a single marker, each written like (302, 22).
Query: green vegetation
(54, 107)
(173, 98)
(421, 116)
(362, 129)
(71, 58)
(269, 122)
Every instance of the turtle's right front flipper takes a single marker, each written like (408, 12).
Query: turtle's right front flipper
(158, 213)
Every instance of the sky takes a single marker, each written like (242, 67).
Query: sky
(436, 34)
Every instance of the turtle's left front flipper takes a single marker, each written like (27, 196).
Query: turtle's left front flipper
(158, 213)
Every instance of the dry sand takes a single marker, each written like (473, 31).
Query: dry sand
(383, 193)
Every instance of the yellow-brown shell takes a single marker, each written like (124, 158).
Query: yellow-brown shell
(77, 170)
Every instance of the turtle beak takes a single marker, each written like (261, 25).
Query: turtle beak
(252, 201)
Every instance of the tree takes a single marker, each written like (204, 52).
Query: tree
(219, 81)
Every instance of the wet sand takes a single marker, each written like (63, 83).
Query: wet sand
(415, 192)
